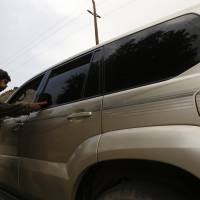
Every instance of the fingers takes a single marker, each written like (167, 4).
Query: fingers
(38, 106)
(35, 106)
(42, 103)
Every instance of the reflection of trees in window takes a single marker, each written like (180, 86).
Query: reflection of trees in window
(158, 56)
(72, 89)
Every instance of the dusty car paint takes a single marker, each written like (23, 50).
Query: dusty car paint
(157, 122)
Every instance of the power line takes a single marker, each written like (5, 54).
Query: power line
(70, 35)
(38, 37)
(39, 40)
(28, 45)
(119, 7)
(106, 14)
(60, 28)
(102, 2)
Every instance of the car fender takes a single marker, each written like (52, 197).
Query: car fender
(82, 158)
(178, 145)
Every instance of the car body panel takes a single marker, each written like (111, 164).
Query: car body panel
(9, 152)
(175, 145)
(45, 150)
(165, 103)
(85, 156)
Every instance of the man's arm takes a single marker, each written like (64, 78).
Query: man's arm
(14, 110)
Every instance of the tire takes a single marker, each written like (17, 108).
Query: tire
(138, 181)
(143, 191)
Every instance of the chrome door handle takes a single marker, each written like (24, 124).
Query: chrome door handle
(79, 115)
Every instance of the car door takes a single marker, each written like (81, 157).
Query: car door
(142, 76)
(51, 136)
(9, 137)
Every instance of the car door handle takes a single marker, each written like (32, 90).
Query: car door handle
(79, 115)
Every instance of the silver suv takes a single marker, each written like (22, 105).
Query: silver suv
(122, 121)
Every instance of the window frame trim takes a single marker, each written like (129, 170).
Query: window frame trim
(100, 73)
(49, 72)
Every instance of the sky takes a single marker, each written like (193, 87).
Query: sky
(37, 34)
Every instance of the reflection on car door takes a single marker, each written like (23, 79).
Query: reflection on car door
(9, 151)
(51, 136)
(9, 138)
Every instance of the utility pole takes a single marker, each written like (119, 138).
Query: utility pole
(94, 13)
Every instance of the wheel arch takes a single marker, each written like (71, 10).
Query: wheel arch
(123, 167)
(162, 147)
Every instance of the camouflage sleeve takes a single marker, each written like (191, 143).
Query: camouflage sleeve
(14, 110)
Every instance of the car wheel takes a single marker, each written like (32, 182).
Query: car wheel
(143, 191)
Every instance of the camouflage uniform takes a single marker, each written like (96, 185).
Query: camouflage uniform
(14, 110)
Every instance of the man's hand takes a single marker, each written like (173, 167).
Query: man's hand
(37, 106)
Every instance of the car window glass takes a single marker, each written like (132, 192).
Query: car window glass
(66, 83)
(154, 54)
(28, 92)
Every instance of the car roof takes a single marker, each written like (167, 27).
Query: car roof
(194, 9)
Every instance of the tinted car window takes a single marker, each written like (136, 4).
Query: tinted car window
(67, 82)
(154, 54)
